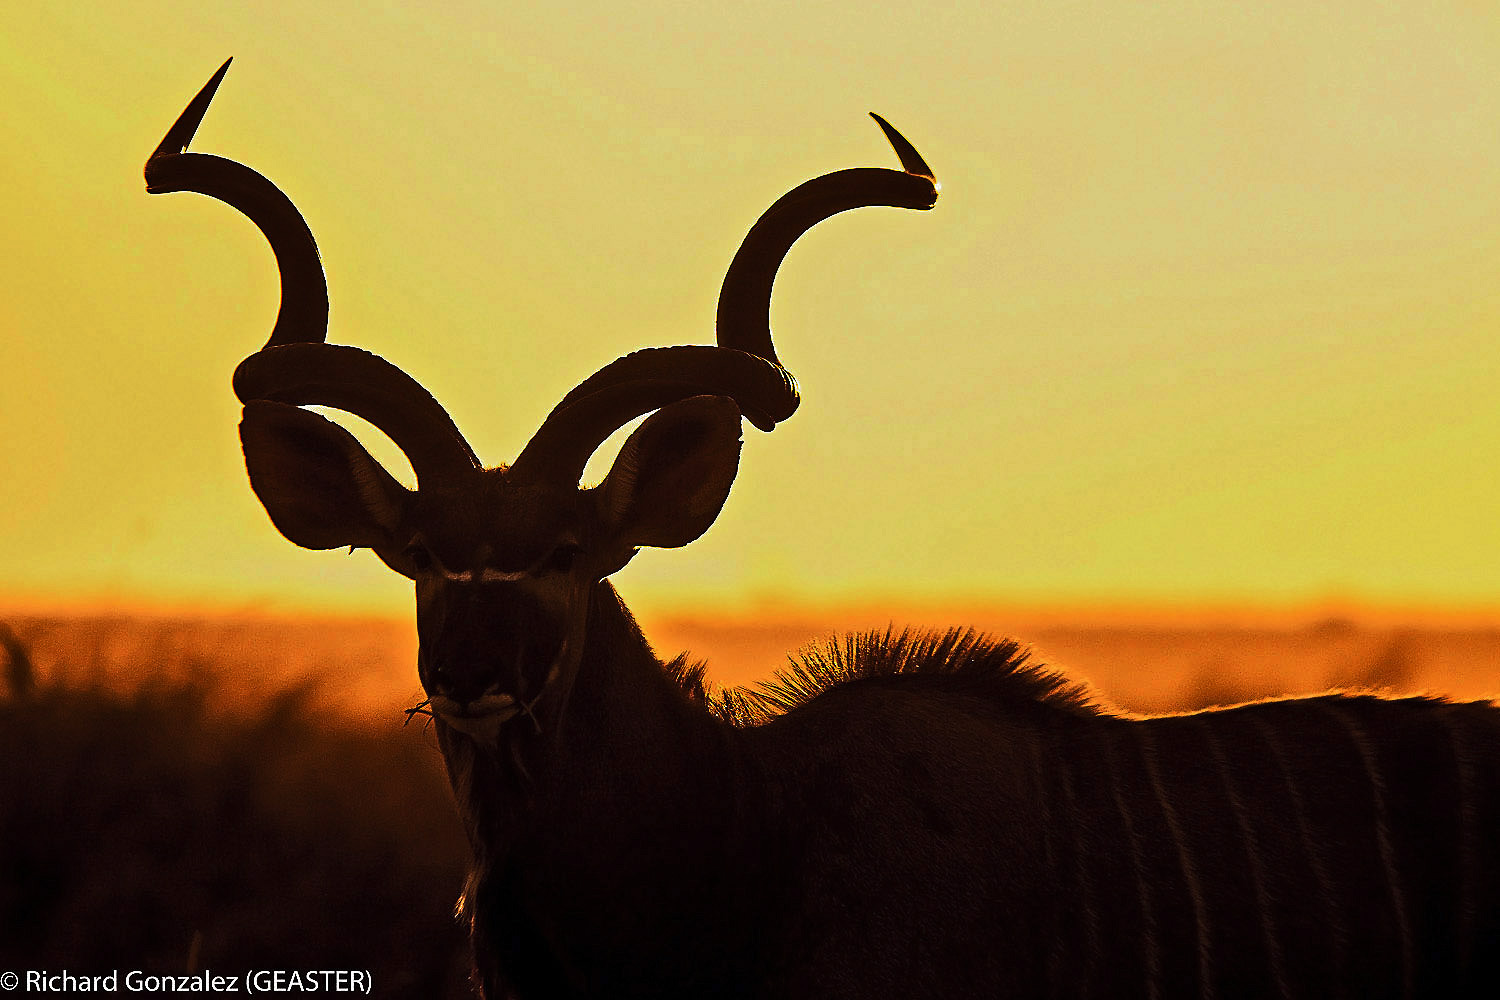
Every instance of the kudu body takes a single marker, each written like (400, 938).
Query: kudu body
(947, 821)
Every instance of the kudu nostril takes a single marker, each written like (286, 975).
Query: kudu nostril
(439, 681)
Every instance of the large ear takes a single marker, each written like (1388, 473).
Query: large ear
(673, 475)
(320, 486)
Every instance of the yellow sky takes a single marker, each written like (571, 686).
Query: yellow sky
(1207, 309)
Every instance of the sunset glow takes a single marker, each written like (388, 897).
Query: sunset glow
(1117, 613)
(1205, 312)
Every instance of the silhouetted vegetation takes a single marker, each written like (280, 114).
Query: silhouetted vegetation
(153, 826)
(20, 674)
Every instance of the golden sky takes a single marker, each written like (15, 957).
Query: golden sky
(1206, 311)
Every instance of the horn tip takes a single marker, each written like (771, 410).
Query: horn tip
(181, 133)
(911, 160)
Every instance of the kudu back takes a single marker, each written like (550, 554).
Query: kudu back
(912, 815)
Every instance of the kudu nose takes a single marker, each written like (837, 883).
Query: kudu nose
(444, 681)
(461, 685)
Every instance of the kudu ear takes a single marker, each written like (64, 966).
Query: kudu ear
(673, 474)
(320, 486)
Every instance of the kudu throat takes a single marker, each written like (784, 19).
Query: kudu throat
(610, 732)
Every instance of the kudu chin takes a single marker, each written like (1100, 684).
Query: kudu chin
(903, 815)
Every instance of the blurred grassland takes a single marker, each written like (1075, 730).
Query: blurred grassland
(154, 823)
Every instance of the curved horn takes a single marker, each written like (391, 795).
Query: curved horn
(744, 320)
(744, 366)
(648, 380)
(303, 316)
(296, 366)
(367, 386)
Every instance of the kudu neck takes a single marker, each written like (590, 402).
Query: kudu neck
(621, 690)
(631, 820)
(623, 737)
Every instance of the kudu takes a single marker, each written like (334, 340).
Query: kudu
(903, 816)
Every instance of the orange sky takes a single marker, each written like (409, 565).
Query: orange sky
(1205, 313)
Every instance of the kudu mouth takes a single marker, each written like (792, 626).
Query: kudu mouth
(482, 716)
(478, 680)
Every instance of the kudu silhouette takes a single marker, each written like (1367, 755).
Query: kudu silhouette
(906, 815)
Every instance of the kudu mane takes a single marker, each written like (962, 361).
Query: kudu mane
(956, 660)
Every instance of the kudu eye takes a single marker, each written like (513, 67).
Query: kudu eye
(419, 557)
(562, 558)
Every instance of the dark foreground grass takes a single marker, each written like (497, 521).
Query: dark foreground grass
(150, 828)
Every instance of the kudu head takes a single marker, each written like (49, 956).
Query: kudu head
(505, 558)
